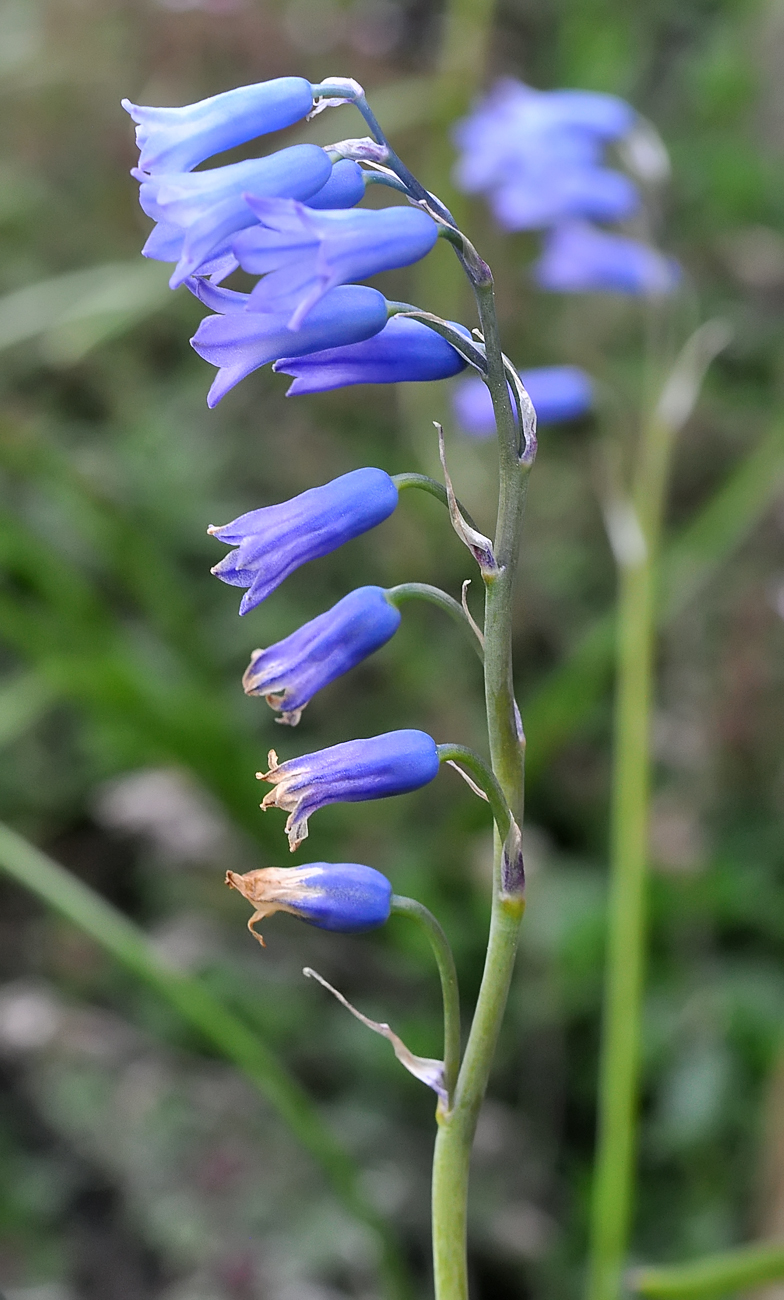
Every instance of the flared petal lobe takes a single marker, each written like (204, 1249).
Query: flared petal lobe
(405, 351)
(240, 341)
(578, 258)
(302, 254)
(177, 139)
(357, 770)
(346, 897)
(557, 392)
(291, 672)
(275, 540)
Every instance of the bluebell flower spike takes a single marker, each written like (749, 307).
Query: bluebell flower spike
(240, 341)
(404, 351)
(177, 139)
(273, 541)
(374, 768)
(346, 897)
(302, 254)
(289, 673)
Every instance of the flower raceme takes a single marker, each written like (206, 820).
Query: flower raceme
(275, 540)
(290, 673)
(404, 351)
(342, 896)
(177, 139)
(375, 768)
(302, 254)
(239, 341)
(557, 392)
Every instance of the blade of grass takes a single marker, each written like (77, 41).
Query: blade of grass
(716, 1275)
(213, 1021)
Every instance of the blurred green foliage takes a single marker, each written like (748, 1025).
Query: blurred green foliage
(133, 1164)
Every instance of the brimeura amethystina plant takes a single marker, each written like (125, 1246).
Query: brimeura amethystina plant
(291, 219)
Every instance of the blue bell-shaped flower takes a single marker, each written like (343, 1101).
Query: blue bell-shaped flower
(342, 896)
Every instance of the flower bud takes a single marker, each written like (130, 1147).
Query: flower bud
(290, 673)
(275, 540)
(342, 896)
(405, 351)
(375, 768)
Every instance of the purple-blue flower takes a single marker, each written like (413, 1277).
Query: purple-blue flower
(538, 155)
(289, 673)
(342, 896)
(578, 258)
(557, 392)
(404, 351)
(302, 254)
(239, 341)
(177, 139)
(376, 768)
(207, 207)
(275, 540)
(344, 189)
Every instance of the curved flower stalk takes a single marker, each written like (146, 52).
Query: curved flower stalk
(394, 763)
(342, 896)
(290, 673)
(275, 540)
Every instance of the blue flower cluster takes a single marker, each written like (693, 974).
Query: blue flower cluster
(539, 157)
(290, 218)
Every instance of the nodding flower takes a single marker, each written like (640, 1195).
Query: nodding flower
(290, 673)
(302, 253)
(239, 341)
(207, 207)
(342, 896)
(393, 763)
(177, 139)
(404, 351)
(275, 540)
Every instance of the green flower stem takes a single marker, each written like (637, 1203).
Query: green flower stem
(485, 778)
(620, 1050)
(716, 1275)
(430, 485)
(402, 906)
(456, 1130)
(218, 1025)
(435, 596)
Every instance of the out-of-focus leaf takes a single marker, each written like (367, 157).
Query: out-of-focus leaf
(72, 313)
(24, 699)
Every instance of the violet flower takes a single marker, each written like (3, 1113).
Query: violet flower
(302, 254)
(404, 351)
(289, 673)
(376, 768)
(275, 540)
(578, 258)
(207, 207)
(342, 896)
(557, 392)
(240, 341)
(177, 139)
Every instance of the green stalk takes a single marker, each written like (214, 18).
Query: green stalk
(402, 906)
(456, 1130)
(215, 1022)
(716, 1275)
(435, 596)
(620, 1049)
